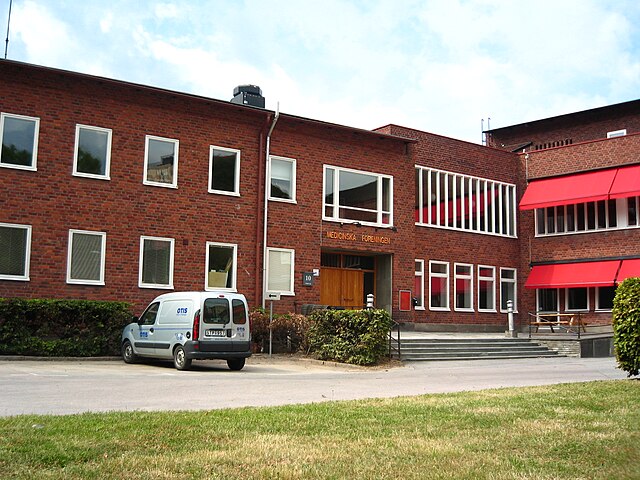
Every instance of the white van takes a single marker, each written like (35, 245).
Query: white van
(184, 326)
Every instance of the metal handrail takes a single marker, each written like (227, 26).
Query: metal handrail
(395, 325)
(541, 318)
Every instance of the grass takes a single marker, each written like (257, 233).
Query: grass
(574, 431)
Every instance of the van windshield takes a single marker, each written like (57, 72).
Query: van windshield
(216, 310)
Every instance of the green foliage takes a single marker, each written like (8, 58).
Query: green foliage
(351, 336)
(88, 163)
(289, 331)
(55, 328)
(626, 325)
(10, 154)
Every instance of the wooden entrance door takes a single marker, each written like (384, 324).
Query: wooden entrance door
(342, 287)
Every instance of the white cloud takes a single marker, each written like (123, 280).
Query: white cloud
(106, 23)
(166, 10)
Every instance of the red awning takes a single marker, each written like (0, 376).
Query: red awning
(580, 188)
(626, 183)
(629, 268)
(572, 275)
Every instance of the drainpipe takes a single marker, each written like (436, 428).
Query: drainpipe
(266, 206)
(261, 175)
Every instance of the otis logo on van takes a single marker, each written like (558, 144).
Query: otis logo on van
(182, 311)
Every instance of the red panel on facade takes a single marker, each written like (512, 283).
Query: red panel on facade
(628, 269)
(583, 187)
(626, 183)
(570, 275)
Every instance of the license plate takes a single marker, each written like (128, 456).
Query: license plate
(215, 333)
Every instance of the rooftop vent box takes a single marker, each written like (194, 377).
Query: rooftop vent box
(248, 95)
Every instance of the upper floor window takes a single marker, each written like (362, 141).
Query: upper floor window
(460, 202)
(355, 196)
(224, 171)
(161, 162)
(156, 262)
(617, 133)
(19, 141)
(15, 251)
(92, 152)
(282, 176)
(590, 216)
(85, 260)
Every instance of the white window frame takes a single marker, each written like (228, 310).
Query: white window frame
(492, 279)
(617, 133)
(236, 183)
(107, 166)
(292, 161)
(234, 274)
(27, 256)
(34, 164)
(103, 250)
(468, 277)
(176, 149)
(291, 290)
(168, 286)
(598, 308)
(435, 200)
(439, 275)
(419, 272)
(380, 212)
(557, 310)
(514, 281)
(566, 301)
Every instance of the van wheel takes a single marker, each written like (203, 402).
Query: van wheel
(128, 355)
(180, 359)
(235, 363)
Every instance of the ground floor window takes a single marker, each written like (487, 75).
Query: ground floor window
(221, 266)
(508, 288)
(438, 285)
(280, 268)
(463, 287)
(547, 300)
(419, 285)
(156, 262)
(604, 298)
(85, 260)
(577, 299)
(15, 250)
(486, 288)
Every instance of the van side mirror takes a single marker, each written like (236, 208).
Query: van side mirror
(135, 319)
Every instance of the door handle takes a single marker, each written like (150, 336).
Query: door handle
(151, 330)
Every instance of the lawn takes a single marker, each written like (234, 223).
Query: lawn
(577, 431)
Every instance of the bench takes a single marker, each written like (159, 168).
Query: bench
(569, 322)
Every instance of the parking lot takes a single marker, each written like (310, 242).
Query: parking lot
(74, 386)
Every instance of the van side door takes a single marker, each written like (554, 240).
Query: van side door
(143, 336)
(174, 320)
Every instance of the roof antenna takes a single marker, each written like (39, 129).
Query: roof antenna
(6, 42)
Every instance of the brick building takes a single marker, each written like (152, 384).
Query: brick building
(119, 191)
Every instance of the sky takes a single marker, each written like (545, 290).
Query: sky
(442, 66)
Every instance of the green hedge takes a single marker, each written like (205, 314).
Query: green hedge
(289, 331)
(60, 328)
(351, 336)
(626, 325)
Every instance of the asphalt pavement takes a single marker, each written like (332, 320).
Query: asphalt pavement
(76, 386)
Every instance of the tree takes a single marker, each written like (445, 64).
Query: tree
(626, 325)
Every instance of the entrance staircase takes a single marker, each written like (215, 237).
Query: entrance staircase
(463, 347)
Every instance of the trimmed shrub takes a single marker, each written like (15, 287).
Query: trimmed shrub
(58, 328)
(626, 325)
(289, 331)
(358, 337)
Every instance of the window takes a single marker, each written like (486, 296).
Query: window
(224, 171)
(486, 289)
(463, 286)
(357, 197)
(438, 285)
(577, 299)
(19, 141)
(604, 298)
(15, 251)
(150, 314)
(419, 285)
(239, 311)
(156, 262)
(453, 201)
(85, 260)
(280, 262)
(547, 300)
(282, 174)
(221, 266)
(161, 162)
(508, 288)
(216, 310)
(92, 152)
(617, 133)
